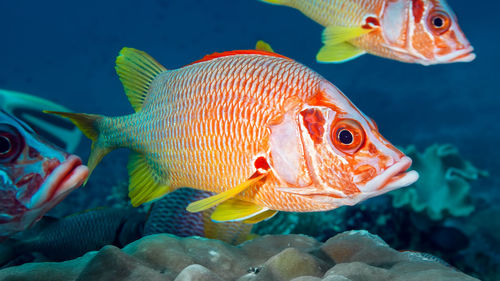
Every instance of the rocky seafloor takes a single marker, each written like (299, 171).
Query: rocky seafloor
(351, 255)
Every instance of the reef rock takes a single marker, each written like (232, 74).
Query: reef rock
(349, 256)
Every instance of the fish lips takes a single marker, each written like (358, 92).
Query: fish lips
(463, 55)
(394, 177)
(65, 178)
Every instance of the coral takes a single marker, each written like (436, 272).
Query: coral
(443, 186)
(349, 256)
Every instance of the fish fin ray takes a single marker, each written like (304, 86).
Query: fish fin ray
(236, 210)
(333, 34)
(211, 201)
(137, 70)
(261, 217)
(263, 46)
(338, 53)
(238, 52)
(143, 184)
(87, 123)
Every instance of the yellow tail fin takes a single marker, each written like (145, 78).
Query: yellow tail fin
(87, 123)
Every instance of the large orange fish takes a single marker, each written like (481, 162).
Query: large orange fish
(263, 131)
(413, 31)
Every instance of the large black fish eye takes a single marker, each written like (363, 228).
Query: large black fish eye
(5, 145)
(11, 143)
(345, 137)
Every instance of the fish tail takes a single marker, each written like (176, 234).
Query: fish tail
(89, 125)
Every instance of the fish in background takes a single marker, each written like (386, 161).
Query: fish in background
(28, 108)
(169, 215)
(35, 175)
(262, 131)
(60, 239)
(413, 31)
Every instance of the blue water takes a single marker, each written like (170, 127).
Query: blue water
(65, 51)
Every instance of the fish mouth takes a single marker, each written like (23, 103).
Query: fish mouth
(464, 55)
(394, 177)
(65, 178)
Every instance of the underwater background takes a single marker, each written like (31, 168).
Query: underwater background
(65, 51)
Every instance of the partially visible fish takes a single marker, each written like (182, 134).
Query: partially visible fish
(34, 175)
(169, 215)
(70, 237)
(413, 31)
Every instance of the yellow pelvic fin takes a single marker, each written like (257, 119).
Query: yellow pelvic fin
(137, 70)
(87, 123)
(260, 217)
(211, 201)
(236, 210)
(333, 35)
(276, 2)
(338, 53)
(143, 184)
(263, 46)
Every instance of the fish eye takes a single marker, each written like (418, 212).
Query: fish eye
(347, 135)
(439, 22)
(11, 143)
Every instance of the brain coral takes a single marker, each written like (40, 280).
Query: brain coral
(443, 187)
(349, 256)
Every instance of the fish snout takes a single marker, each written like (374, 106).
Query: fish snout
(59, 182)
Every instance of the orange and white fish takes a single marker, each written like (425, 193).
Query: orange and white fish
(413, 31)
(262, 131)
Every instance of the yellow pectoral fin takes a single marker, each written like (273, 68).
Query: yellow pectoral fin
(142, 185)
(211, 201)
(333, 35)
(263, 46)
(236, 210)
(338, 53)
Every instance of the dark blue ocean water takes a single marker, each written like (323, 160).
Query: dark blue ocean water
(65, 51)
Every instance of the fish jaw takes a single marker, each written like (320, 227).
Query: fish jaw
(464, 55)
(394, 177)
(65, 178)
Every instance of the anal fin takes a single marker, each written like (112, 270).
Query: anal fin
(240, 210)
(143, 185)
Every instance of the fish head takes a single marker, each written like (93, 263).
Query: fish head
(342, 158)
(34, 175)
(425, 32)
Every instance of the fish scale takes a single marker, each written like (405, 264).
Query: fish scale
(192, 105)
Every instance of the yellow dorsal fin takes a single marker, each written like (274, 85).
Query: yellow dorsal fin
(338, 53)
(262, 216)
(137, 70)
(263, 46)
(211, 201)
(144, 185)
(333, 35)
(236, 210)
